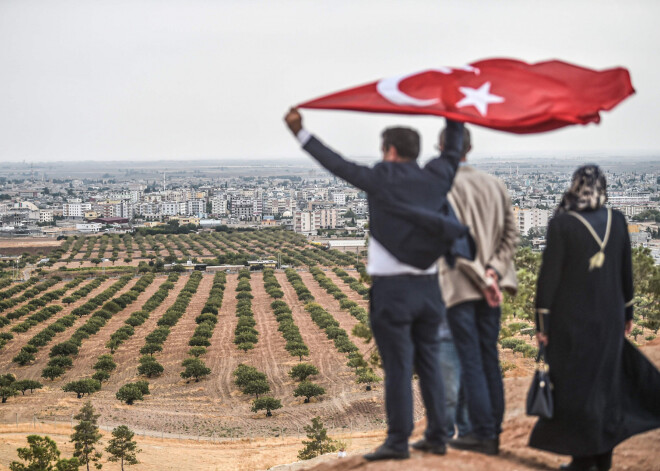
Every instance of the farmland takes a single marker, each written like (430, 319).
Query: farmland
(96, 327)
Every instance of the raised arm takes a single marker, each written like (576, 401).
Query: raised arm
(361, 176)
(446, 164)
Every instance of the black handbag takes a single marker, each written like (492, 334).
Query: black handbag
(539, 396)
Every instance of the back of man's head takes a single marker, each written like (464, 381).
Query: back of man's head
(404, 140)
(467, 141)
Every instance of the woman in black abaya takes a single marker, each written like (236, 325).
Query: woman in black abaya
(604, 389)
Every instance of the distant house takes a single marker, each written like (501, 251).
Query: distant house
(254, 264)
(111, 220)
(93, 227)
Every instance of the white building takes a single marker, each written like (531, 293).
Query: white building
(633, 198)
(75, 209)
(90, 227)
(219, 206)
(146, 209)
(169, 208)
(127, 209)
(195, 207)
(45, 216)
(339, 198)
(308, 222)
(531, 218)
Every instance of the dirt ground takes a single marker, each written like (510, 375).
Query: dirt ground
(640, 453)
(215, 411)
(171, 454)
(31, 246)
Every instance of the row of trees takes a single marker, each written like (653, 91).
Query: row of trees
(364, 372)
(362, 329)
(42, 338)
(10, 387)
(5, 337)
(148, 365)
(154, 341)
(69, 348)
(85, 290)
(295, 344)
(298, 285)
(352, 283)
(28, 293)
(17, 288)
(102, 297)
(245, 334)
(194, 367)
(252, 381)
(330, 325)
(140, 316)
(40, 302)
(40, 316)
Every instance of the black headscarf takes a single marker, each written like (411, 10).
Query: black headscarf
(588, 190)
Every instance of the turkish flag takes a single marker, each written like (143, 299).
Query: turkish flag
(504, 94)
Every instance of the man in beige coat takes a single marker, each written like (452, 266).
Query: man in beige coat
(472, 293)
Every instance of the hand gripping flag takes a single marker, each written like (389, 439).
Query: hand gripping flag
(503, 94)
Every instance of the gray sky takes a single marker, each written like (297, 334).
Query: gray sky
(176, 79)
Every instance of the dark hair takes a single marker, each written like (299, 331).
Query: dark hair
(467, 140)
(404, 140)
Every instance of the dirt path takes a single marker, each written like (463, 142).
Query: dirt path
(128, 353)
(222, 356)
(175, 348)
(269, 352)
(323, 353)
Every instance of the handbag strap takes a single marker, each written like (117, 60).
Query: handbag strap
(540, 358)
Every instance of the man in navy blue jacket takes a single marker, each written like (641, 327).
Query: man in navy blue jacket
(411, 226)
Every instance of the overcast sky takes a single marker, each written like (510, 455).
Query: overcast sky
(177, 79)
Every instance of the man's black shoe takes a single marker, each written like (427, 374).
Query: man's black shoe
(488, 446)
(384, 452)
(423, 445)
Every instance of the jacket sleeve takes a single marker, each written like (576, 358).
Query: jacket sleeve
(360, 176)
(505, 249)
(446, 164)
(550, 275)
(627, 275)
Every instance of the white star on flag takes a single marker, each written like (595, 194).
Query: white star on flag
(480, 98)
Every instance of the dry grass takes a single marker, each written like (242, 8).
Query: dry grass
(172, 454)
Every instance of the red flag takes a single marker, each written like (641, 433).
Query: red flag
(503, 94)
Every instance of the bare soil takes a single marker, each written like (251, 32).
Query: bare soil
(31, 246)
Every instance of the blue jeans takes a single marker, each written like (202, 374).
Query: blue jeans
(475, 327)
(455, 408)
